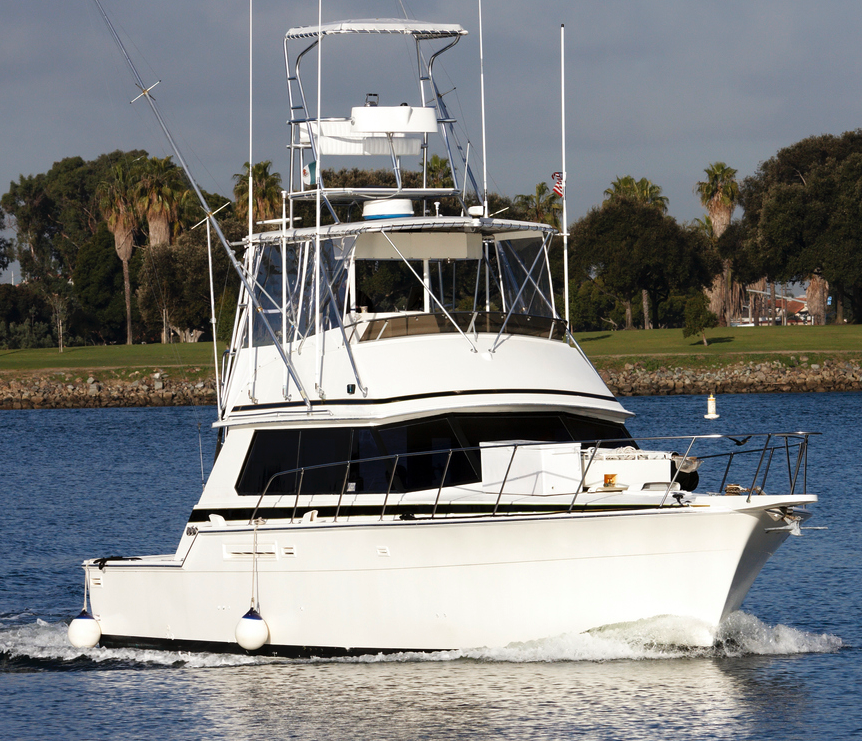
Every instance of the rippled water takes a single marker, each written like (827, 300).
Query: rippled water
(79, 483)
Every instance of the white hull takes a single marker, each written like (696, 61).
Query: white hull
(438, 584)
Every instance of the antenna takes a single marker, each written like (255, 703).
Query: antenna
(318, 339)
(482, 96)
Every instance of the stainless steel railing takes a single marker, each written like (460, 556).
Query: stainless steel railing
(793, 445)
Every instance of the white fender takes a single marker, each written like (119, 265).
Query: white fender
(252, 631)
(84, 631)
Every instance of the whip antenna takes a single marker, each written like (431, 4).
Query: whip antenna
(484, 140)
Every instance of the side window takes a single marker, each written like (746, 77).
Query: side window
(422, 450)
(270, 452)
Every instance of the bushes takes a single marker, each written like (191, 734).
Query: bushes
(25, 335)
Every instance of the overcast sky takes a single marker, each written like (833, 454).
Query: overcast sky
(655, 89)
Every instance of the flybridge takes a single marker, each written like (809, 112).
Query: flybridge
(377, 280)
(373, 130)
(361, 280)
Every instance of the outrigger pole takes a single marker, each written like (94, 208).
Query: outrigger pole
(145, 92)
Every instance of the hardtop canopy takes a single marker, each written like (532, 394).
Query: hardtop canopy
(498, 228)
(417, 29)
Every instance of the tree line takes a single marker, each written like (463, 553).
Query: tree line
(801, 214)
(108, 253)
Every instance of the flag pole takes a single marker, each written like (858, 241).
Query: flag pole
(563, 127)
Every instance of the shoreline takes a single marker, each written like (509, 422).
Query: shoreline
(830, 374)
(81, 390)
(92, 390)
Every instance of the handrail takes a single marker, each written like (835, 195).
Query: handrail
(442, 483)
(389, 488)
(584, 476)
(726, 470)
(676, 473)
(768, 464)
(606, 446)
(505, 478)
(759, 464)
(803, 449)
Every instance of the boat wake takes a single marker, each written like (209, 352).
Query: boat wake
(666, 637)
(43, 646)
(742, 634)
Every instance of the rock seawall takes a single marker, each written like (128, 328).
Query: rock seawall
(70, 391)
(739, 378)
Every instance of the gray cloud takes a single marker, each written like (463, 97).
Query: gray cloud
(655, 89)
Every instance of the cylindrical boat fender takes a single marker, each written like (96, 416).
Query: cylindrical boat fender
(84, 631)
(252, 631)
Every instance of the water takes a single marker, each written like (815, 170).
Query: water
(80, 483)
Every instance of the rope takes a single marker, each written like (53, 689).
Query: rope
(255, 587)
(86, 585)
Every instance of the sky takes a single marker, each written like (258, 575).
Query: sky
(654, 88)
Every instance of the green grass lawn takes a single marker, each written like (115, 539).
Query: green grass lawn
(194, 358)
(606, 349)
(723, 341)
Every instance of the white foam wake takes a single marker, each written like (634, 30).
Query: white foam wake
(666, 637)
(743, 634)
(657, 638)
(41, 641)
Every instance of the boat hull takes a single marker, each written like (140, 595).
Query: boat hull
(328, 589)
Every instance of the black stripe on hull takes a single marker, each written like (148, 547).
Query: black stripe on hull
(407, 511)
(272, 406)
(219, 647)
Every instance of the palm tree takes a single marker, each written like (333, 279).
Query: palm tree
(439, 174)
(704, 226)
(543, 207)
(719, 194)
(118, 202)
(643, 191)
(816, 295)
(648, 193)
(267, 192)
(160, 192)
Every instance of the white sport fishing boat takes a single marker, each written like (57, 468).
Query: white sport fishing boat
(414, 454)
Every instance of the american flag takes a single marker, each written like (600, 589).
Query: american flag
(558, 183)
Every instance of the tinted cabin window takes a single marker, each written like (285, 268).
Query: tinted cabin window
(274, 451)
(422, 450)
